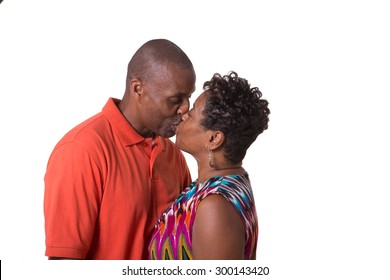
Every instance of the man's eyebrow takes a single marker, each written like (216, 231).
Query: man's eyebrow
(185, 94)
(181, 95)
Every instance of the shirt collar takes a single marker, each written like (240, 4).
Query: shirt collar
(128, 135)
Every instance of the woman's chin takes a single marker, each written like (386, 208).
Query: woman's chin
(178, 142)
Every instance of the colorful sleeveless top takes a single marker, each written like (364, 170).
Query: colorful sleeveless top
(172, 236)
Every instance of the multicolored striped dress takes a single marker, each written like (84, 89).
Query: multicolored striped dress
(172, 237)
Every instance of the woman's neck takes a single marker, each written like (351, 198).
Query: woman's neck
(208, 172)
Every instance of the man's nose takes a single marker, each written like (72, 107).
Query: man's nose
(184, 107)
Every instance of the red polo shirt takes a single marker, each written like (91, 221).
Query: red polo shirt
(105, 188)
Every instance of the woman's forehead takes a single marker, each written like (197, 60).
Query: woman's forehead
(200, 101)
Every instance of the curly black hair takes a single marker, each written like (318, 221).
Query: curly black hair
(237, 110)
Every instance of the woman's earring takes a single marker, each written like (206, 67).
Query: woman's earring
(211, 157)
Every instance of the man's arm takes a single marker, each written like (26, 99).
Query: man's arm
(71, 202)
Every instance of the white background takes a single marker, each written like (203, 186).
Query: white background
(320, 173)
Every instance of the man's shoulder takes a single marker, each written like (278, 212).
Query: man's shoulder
(87, 132)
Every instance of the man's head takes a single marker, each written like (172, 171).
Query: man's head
(160, 81)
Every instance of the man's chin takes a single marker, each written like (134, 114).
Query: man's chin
(168, 134)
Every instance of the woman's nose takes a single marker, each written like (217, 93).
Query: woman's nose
(184, 117)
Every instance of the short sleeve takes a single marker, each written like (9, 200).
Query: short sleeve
(73, 191)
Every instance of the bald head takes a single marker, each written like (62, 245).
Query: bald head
(160, 81)
(152, 58)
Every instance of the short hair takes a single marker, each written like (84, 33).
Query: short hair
(237, 110)
(148, 60)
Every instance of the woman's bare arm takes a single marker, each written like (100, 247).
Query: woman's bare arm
(218, 231)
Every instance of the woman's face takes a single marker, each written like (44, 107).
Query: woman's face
(190, 135)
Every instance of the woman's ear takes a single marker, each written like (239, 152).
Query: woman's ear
(215, 139)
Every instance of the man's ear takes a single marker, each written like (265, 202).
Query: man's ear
(216, 139)
(136, 87)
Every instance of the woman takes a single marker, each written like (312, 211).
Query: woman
(215, 217)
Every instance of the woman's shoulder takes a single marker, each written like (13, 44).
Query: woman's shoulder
(235, 183)
(234, 188)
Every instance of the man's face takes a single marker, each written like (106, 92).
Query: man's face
(166, 99)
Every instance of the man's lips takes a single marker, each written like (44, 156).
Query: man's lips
(177, 122)
(176, 125)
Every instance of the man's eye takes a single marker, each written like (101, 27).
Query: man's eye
(175, 100)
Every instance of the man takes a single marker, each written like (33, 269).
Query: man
(110, 178)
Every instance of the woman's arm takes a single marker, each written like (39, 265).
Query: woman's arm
(218, 231)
